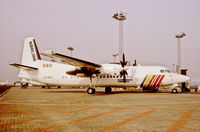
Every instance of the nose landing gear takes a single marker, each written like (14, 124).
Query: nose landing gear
(174, 90)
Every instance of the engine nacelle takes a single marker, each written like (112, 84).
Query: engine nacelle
(110, 70)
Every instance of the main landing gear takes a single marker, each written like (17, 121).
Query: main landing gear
(108, 89)
(24, 85)
(91, 90)
(151, 89)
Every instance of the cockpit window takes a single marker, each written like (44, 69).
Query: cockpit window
(165, 71)
(168, 71)
(162, 71)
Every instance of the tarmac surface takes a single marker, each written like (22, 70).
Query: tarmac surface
(73, 110)
(4, 89)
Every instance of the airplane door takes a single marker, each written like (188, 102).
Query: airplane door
(134, 78)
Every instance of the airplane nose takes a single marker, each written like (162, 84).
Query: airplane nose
(186, 78)
(182, 78)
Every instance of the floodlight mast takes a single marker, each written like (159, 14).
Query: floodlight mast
(114, 57)
(71, 50)
(120, 17)
(179, 36)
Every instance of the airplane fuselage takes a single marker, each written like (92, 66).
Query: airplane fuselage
(74, 72)
(52, 73)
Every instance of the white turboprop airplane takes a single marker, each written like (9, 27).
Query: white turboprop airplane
(4, 83)
(73, 72)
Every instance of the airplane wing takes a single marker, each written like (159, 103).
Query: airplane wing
(83, 68)
(71, 60)
(24, 66)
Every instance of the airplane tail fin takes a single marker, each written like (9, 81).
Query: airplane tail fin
(30, 52)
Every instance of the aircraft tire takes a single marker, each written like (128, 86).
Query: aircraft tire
(174, 90)
(91, 90)
(24, 85)
(145, 89)
(153, 90)
(108, 89)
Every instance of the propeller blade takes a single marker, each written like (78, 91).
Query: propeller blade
(123, 58)
(123, 62)
(123, 72)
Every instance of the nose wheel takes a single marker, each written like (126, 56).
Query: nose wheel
(174, 90)
(91, 90)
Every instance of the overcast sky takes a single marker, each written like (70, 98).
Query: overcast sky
(88, 26)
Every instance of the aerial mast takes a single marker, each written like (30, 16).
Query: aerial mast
(178, 66)
(120, 17)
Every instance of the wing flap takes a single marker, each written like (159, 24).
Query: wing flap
(24, 66)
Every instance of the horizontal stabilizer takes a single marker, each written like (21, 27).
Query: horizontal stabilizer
(23, 66)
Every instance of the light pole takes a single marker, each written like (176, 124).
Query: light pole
(173, 68)
(120, 17)
(179, 36)
(114, 57)
(71, 50)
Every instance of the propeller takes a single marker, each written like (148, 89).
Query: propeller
(123, 72)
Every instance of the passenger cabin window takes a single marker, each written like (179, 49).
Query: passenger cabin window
(47, 65)
(107, 76)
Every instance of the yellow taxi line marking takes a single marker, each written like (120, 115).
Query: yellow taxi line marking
(107, 129)
(77, 120)
(177, 125)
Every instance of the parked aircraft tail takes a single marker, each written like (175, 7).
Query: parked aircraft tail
(30, 52)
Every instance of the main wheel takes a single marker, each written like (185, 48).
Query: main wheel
(174, 90)
(153, 90)
(145, 89)
(91, 90)
(108, 89)
(24, 85)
